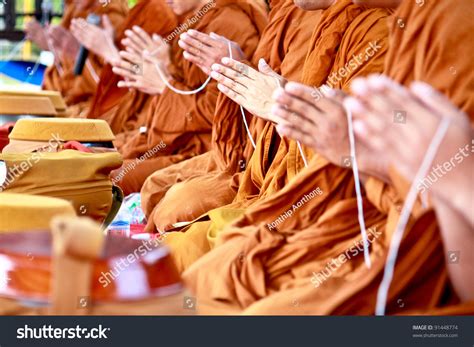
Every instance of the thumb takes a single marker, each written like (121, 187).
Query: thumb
(214, 36)
(264, 68)
(107, 23)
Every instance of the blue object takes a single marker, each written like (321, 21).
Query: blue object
(23, 71)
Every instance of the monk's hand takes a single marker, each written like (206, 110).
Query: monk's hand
(320, 123)
(63, 42)
(205, 50)
(36, 33)
(401, 123)
(99, 40)
(248, 87)
(139, 42)
(138, 73)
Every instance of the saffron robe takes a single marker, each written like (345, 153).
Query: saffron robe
(125, 109)
(184, 122)
(73, 88)
(288, 270)
(187, 184)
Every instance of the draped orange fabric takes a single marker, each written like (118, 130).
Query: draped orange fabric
(273, 183)
(184, 122)
(320, 269)
(320, 199)
(76, 89)
(283, 45)
(123, 109)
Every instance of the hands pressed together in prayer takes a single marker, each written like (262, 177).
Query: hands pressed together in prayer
(392, 125)
(401, 123)
(248, 87)
(138, 62)
(62, 42)
(99, 40)
(37, 34)
(206, 50)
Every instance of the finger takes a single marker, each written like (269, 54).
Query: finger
(240, 68)
(135, 40)
(201, 37)
(437, 102)
(227, 82)
(372, 101)
(124, 73)
(289, 131)
(190, 49)
(133, 45)
(132, 58)
(107, 23)
(190, 41)
(290, 116)
(144, 36)
(373, 129)
(131, 84)
(192, 58)
(239, 99)
(229, 73)
(133, 51)
(293, 104)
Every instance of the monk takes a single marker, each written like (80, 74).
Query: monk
(122, 108)
(320, 269)
(178, 126)
(448, 181)
(268, 193)
(282, 47)
(60, 77)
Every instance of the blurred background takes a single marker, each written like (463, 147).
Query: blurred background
(15, 52)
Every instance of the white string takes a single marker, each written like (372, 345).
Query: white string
(305, 161)
(56, 59)
(300, 148)
(92, 71)
(12, 53)
(355, 171)
(252, 141)
(33, 71)
(405, 215)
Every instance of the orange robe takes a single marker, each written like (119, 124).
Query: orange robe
(272, 183)
(180, 125)
(318, 269)
(283, 45)
(76, 89)
(123, 109)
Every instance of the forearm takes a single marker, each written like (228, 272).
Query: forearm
(458, 239)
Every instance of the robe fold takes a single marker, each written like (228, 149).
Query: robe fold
(76, 89)
(276, 185)
(283, 45)
(183, 123)
(125, 109)
(320, 269)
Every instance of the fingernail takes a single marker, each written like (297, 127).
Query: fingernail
(278, 93)
(216, 67)
(377, 82)
(359, 127)
(192, 32)
(215, 75)
(225, 60)
(359, 86)
(354, 105)
(422, 88)
(274, 109)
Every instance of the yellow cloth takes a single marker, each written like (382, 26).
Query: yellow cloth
(67, 129)
(82, 178)
(21, 212)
